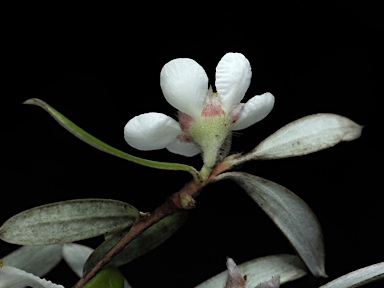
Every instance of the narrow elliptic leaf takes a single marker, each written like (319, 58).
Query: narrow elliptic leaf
(11, 277)
(145, 242)
(96, 143)
(305, 135)
(359, 277)
(67, 221)
(38, 260)
(260, 270)
(290, 213)
(109, 277)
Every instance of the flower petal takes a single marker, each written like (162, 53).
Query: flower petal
(233, 76)
(151, 131)
(188, 149)
(254, 110)
(11, 277)
(184, 84)
(38, 260)
(76, 255)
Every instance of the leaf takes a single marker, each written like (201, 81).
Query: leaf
(109, 277)
(305, 135)
(259, 270)
(38, 260)
(11, 277)
(67, 221)
(359, 277)
(290, 214)
(151, 238)
(96, 143)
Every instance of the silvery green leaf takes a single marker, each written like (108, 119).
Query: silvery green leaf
(359, 277)
(290, 214)
(305, 135)
(38, 260)
(145, 242)
(259, 270)
(11, 277)
(67, 221)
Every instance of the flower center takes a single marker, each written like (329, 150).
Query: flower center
(210, 134)
(212, 105)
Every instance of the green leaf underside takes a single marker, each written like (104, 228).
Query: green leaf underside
(109, 277)
(67, 221)
(359, 277)
(98, 144)
(259, 270)
(290, 214)
(151, 238)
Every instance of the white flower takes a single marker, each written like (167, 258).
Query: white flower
(205, 118)
(15, 278)
(40, 260)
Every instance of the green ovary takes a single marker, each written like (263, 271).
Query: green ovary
(209, 133)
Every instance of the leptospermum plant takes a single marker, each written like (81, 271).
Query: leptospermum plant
(205, 123)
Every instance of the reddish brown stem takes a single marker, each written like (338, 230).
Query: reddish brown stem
(172, 205)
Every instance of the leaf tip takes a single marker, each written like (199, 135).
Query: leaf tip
(323, 274)
(31, 101)
(37, 102)
(355, 133)
(320, 272)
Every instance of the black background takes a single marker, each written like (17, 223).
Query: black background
(100, 67)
